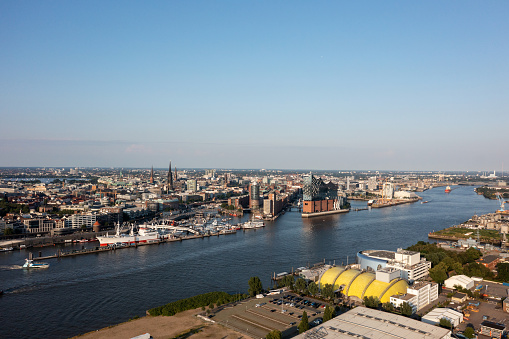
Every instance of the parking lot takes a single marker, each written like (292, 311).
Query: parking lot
(283, 312)
(493, 289)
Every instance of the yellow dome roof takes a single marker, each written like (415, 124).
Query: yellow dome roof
(360, 285)
(330, 276)
(376, 288)
(399, 287)
(347, 277)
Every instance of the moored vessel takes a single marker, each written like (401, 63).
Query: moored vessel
(144, 235)
(253, 224)
(448, 189)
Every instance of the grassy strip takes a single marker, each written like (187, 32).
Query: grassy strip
(460, 232)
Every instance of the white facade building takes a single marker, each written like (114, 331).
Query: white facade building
(411, 299)
(426, 293)
(410, 264)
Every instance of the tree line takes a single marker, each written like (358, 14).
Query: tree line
(201, 300)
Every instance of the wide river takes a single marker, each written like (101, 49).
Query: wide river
(84, 293)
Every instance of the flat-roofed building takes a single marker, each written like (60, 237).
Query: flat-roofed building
(426, 293)
(411, 299)
(362, 322)
(491, 329)
(490, 261)
(410, 264)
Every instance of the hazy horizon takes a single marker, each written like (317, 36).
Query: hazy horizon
(413, 86)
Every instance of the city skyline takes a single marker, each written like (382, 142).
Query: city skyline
(327, 85)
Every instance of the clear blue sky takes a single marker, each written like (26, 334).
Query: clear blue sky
(410, 85)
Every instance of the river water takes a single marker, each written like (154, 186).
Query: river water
(84, 293)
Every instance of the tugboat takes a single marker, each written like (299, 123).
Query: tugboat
(448, 189)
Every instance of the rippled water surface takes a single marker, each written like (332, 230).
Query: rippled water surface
(85, 293)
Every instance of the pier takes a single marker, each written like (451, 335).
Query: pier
(73, 253)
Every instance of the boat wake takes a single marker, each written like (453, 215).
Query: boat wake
(10, 267)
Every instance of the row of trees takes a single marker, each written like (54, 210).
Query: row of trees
(373, 302)
(201, 300)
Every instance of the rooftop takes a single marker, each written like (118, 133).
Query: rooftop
(362, 322)
(381, 254)
(491, 324)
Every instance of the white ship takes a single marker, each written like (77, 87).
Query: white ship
(31, 264)
(144, 235)
(253, 224)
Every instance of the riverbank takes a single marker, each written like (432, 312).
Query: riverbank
(165, 327)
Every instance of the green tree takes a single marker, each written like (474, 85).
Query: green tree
(406, 309)
(304, 323)
(458, 268)
(300, 285)
(444, 322)
(313, 288)
(474, 269)
(287, 281)
(371, 301)
(388, 307)
(471, 255)
(328, 313)
(8, 231)
(503, 271)
(275, 334)
(469, 332)
(439, 273)
(328, 291)
(255, 286)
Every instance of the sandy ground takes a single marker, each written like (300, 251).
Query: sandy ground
(165, 327)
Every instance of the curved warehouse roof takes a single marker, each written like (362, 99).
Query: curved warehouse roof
(362, 284)
(330, 276)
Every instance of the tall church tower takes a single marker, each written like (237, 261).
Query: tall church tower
(152, 175)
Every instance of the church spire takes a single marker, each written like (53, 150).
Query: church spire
(152, 175)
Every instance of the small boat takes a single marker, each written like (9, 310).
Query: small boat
(448, 189)
(29, 263)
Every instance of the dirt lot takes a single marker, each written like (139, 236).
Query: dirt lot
(165, 327)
